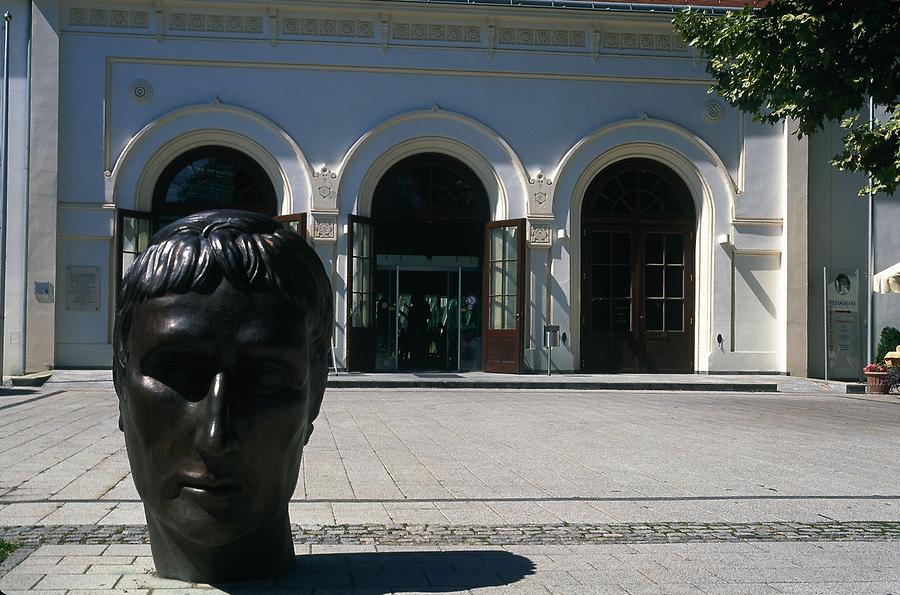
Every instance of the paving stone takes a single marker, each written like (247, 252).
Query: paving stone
(79, 581)
(14, 581)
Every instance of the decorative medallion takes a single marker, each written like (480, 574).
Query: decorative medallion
(141, 91)
(713, 111)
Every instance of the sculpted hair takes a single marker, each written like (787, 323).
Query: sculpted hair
(250, 251)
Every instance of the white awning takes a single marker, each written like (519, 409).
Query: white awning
(888, 280)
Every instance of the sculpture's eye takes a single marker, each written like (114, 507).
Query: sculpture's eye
(183, 374)
(268, 377)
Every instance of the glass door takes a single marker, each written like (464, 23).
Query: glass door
(504, 288)
(360, 298)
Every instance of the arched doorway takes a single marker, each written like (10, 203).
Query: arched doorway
(637, 281)
(423, 249)
(206, 177)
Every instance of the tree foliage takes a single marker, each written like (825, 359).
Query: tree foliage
(812, 61)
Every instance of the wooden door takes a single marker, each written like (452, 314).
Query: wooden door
(666, 322)
(360, 302)
(637, 298)
(609, 333)
(504, 296)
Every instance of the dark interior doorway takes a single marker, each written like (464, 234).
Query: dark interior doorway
(427, 226)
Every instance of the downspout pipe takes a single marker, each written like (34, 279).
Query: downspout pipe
(870, 255)
(4, 185)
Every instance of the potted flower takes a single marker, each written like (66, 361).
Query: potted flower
(877, 379)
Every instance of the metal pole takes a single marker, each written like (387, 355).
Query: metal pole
(870, 255)
(397, 320)
(825, 313)
(4, 185)
(459, 319)
(549, 358)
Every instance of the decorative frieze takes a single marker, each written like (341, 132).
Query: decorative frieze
(324, 227)
(521, 36)
(436, 32)
(116, 19)
(215, 23)
(626, 41)
(323, 27)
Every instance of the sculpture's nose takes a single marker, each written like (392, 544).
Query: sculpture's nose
(216, 436)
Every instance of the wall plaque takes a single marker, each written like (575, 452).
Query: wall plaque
(83, 288)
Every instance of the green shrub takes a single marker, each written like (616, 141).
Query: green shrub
(6, 548)
(890, 338)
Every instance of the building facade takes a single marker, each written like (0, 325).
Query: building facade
(468, 174)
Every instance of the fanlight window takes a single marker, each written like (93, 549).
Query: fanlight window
(213, 177)
(430, 183)
(638, 187)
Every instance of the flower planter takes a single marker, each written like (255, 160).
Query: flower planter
(876, 383)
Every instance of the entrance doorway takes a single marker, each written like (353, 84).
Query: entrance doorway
(416, 270)
(637, 289)
(428, 314)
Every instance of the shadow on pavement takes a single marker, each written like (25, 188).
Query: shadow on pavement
(395, 572)
(18, 392)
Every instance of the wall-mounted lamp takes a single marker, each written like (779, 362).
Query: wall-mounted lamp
(346, 229)
(561, 234)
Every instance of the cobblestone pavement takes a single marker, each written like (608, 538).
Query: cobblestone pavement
(499, 491)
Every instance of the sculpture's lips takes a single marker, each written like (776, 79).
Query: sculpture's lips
(208, 487)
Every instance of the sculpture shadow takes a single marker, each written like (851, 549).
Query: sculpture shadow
(380, 573)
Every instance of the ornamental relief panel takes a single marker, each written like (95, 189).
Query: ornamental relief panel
(540, 195)
(325, 189)
(465, 34)
(540, 234)
(325, 27)
(560, 38)
(324, 227)
(640, 42)
(115, 19)
(214, 23)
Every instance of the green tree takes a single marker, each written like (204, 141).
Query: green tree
(812, 61)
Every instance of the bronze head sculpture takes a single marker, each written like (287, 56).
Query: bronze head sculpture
(222, 330)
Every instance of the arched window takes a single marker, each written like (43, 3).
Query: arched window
(638, 187)
(431, 184)
(212, 177)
